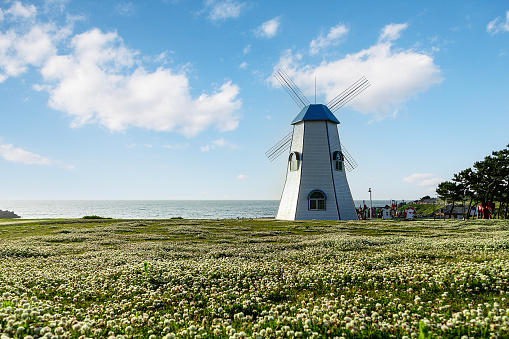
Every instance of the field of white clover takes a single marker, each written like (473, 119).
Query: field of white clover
(254, 279)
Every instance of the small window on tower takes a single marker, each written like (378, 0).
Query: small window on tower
(337, 158)
(294, 161)
(317, 200)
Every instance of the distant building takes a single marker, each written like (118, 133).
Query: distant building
(410, 213)
(386, 212)
(448, 213)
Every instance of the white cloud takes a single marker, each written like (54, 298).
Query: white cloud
(162, 58)
(497, 26)
(55, 5)
(35, 46)
(243, 65)
(176, 146)
(242, 177)
(66, 166)
(100, 81)
(269, 28)
(24, 45)
(220, 143)
(423, 179)
(332, 38)
(133, 145)
(125, 9)
(417, 177)
(247, 49)
(392, 32)
(395, 75)
(9, 153)
(431, 182)
(18, 11)
(223, 10)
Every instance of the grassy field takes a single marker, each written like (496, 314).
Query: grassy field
(423, 210)
(254, 278)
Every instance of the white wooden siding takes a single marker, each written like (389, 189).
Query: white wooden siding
(288, 203)
(343, 194)
(316, 172)
(316, 141)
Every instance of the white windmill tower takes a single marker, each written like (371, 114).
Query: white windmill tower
(316, 186)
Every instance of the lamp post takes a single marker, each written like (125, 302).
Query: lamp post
(370, 205)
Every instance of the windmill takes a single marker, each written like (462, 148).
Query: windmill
(316, 186)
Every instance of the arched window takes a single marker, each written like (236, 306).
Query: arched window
(294, 161)
(317, 200)
(337, 158)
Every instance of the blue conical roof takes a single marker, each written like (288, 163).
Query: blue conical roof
(315, 112)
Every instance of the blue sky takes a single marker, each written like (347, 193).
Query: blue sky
(176, 99)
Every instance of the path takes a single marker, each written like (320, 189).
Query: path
(20, 221)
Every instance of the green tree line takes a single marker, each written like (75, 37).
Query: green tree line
(487, 181)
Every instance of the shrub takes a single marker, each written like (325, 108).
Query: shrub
(94, 217)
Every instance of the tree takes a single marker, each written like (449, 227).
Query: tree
(466, 180)
(486, 182)
(502, 192)
(450, 191)
(493, 177)
(487, 178)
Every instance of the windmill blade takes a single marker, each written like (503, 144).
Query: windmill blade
(276, 150)
(291, 88)
(348, 94)
(350, 163)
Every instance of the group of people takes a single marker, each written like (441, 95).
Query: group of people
(387, 212)
(485, 210)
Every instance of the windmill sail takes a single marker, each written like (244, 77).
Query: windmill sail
(316, 186)
(350, 163)
(276, 150)
(341, 100)
(291, 88)
(348, 94)
(299, 98)
(284, 144)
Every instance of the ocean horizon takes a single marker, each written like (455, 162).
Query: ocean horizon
(150, 209)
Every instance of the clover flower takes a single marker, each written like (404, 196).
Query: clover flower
(197, 300)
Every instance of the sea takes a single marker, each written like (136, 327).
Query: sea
(149, 209)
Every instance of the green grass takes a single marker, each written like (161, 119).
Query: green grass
(94, 217)
(257, 278)
(424, 210)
